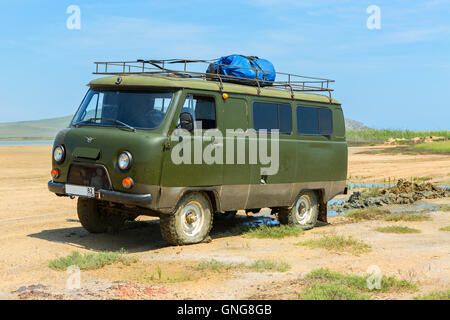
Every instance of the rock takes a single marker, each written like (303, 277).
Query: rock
(404, 192)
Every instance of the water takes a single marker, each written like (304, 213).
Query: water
(421, 208)
(369, 185)
(334, 213)
(26, 143)
(264, 217)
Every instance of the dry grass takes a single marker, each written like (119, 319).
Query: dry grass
(267, 265)
(367, 214)
(406, 217)
(258, 265)
(397, 229)
(152, 272)
(215, 265)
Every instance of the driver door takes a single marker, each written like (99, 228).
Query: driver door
(205, 113)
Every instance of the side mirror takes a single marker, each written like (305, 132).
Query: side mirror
(186, 121)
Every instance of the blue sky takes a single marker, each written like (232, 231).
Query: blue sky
(396, 77)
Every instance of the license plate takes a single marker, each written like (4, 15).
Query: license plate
(80, 191)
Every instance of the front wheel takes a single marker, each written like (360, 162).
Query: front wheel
(191, 222)
(303, 213)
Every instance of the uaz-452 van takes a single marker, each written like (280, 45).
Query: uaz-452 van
(185, 146)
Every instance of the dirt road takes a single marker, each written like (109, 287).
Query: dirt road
(36, 227)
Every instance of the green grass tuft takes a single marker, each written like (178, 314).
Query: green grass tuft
(445, 208)
(435, 295)
(397, 229)
(360, 282)
(338, 243)
(436, 147)
(273, 232)
(367, 214)
(447, 228)
(406, 217)
(373, 135)
(266, 265)
(332, 291)
(90, 260)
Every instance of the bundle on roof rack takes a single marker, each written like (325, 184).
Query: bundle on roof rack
(239, 68)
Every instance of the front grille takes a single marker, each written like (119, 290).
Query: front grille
(90, 175)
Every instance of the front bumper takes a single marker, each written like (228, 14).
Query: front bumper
(107, 195)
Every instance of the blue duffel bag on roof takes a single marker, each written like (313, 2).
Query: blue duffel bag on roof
(244, 67)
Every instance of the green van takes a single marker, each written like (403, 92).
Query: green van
(117, 155)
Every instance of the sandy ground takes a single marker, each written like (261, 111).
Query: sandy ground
(36, 227)
(377, 167)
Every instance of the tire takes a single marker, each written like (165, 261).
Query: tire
(95, 220)
(308, 201)
(191, 222)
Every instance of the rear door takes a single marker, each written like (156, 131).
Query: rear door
(275, 189)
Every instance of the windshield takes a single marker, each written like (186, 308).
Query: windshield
(144, 110)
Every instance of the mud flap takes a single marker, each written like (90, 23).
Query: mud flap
(323, 212)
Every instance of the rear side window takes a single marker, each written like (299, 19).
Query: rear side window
(314, 121)
(270, 116)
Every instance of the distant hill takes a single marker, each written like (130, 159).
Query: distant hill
(47, 128)
(36, 129)
(355, 125)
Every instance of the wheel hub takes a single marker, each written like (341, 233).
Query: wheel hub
(192, 218)
(303, 210)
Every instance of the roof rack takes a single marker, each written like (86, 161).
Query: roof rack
(181, 68)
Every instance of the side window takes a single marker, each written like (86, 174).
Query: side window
(325, 121)
(203, 110)
(285, 118)
(265, 116)
(271, 116)
(314, 121)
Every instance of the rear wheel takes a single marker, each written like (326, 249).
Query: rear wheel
(191, 222)
(95, 219)
(303, 213)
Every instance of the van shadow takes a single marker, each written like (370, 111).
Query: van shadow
(141, 236)
(136, 236)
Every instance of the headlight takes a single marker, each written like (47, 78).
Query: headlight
(124, 161)
(59, 154)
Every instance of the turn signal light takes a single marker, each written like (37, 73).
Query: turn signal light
(225, 96)
(127, 183)
(55, 173)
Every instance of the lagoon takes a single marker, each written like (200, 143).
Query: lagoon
(26, 142)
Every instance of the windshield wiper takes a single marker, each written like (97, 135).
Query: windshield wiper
(123, 124)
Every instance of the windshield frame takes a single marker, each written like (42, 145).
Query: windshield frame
(111, 124)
